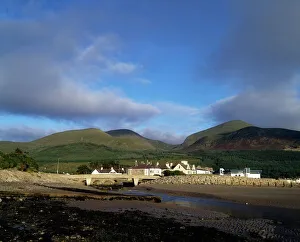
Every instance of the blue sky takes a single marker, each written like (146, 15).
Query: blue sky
(165, 69)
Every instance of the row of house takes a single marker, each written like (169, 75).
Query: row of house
(148, 169)
(151, 170)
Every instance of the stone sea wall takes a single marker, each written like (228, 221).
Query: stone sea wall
(223, 180)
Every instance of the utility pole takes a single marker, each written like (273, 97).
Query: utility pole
(57, 165)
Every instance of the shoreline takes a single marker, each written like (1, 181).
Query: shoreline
(50, 210)
(259, 196)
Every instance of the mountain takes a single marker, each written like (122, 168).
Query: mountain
(129, 133)
(249, 138)
(116, 139)
(213, 132)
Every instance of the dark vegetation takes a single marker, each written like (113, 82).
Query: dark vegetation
(40, 218)
(87, 169)
(83, 169)
(172, 173)
(273, 163)
(18, 159)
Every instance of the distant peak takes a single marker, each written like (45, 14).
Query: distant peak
(236, 121)
(122, 132)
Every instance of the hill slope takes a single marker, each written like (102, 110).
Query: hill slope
(215, 131)
(116, 139)
(129, 133)
(249, 138)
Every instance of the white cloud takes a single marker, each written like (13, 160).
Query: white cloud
(23, 133)
(45, 71)
(165, 136)
(142, 81)
(174, 109)
(122, 67)
(272, 108)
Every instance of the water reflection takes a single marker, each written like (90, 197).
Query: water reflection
(238, 210)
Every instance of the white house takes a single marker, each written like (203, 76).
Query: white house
(145, 169)
(185, 167)
(107, 171)
(203, 170)
(222, 171)
(246, 173)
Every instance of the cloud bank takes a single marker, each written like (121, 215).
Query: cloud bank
(51, 71)
(261, 57)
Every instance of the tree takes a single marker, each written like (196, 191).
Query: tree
(83, 169)
(19, 159)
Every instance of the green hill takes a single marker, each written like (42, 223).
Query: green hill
(78, 152)
(129, 133)
(214, 131)
(250, 138)
(116, 139)
(123, 132)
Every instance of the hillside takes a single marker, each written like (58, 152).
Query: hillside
(250, 138)
(129, 133)
(115, 139)
(215, 131)
(77, 152)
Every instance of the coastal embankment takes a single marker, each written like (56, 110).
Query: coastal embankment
(224, 180)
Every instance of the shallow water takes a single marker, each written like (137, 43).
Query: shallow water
(287, 216)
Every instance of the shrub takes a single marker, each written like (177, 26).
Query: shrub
(172, 173)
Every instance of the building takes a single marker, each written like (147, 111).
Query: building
(247, 172)
(204, 170)
(145, 169)
(185, 167)
(108, 171)
(188, 169)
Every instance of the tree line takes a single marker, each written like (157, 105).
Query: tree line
(87, 169)
(18, 159)
(273, 163)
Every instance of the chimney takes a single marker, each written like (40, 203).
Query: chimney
(136, 163)
(171, 164)
(168, 165)
(157, 163)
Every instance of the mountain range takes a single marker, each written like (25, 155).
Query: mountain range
(232, 135)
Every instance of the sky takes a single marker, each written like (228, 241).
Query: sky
(163, 68)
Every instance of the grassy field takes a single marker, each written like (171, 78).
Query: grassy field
(73, 155)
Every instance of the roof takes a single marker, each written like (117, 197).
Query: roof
(241, 171)
(204, 168)
(109, 170)
(144, 166)
(236, 171)
(255, 171)
(163, 167)
(103, 170)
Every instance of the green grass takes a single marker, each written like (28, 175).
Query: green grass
(94, 136)
(72, 155)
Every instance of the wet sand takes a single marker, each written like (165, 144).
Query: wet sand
(264, 196)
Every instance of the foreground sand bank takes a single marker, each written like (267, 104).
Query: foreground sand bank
(264, 196)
